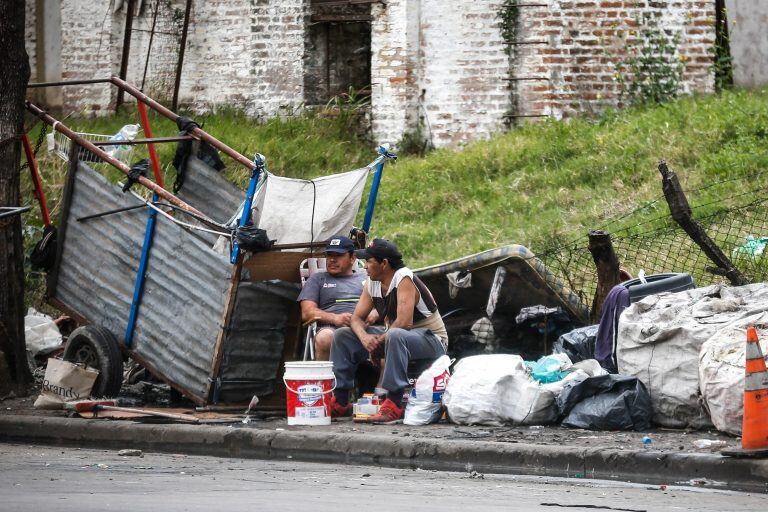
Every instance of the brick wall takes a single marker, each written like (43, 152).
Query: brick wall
(584, 40)
(435, 68)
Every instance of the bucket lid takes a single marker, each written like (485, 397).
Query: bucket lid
(309, 364)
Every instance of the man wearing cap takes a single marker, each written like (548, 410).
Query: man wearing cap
(331, 296)
(413, 329)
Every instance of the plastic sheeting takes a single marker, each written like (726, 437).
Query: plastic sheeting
(661, 337)
(607, 402)
(721, 371)
(496, 389)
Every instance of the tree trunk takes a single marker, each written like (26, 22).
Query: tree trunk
(607, 264)
(14, 75)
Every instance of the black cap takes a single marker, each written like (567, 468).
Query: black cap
(381, 249)
(340, 245)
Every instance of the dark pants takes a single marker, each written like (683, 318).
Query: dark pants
(400, 346)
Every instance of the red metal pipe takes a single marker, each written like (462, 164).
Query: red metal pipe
(117, 164)
(39, 192)
(196, 132)
(151, 147)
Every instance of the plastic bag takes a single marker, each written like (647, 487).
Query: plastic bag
(64, 382)
(607, 402)
(41, 332)
(578, 345)
(426, 399)
(550, 368)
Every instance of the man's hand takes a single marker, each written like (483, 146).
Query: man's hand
(371, 341)
(342, 319)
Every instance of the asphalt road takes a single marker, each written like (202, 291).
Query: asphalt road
(73, 479)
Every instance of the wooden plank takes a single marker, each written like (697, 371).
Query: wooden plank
(265, 266)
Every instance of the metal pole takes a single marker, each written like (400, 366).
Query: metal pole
(126, 49)
(150, 147)
(117, 164)
(39, 193)
(69, 82)
(245, 218)
(149, 47)
(180, 63)
(141, 275)
(379, 162)
(196, 132)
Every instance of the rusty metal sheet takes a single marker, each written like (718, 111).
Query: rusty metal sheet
(253, 347)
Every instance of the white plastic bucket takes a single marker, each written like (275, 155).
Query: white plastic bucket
(309, 387)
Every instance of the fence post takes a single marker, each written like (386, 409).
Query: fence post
(681, 212)
(607, 264)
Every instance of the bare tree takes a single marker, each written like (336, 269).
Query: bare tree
(14, 75)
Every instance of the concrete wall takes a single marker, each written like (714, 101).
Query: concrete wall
(748, 31)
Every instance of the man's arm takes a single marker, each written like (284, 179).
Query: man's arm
(407, 296)
(310, 310)
(357, 323)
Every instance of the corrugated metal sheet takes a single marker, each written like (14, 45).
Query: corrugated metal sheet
(100, 256)
(255, 339)
(184, 295)
(207, 190)
(181, 309)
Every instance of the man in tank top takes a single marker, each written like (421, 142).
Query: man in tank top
(413, 329)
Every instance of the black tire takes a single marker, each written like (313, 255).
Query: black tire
(96, 347)
(658, 283)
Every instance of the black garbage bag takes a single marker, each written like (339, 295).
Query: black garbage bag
(253, 239)
(607, 402)
(578, 345)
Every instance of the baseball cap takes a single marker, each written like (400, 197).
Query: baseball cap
(340, 245)
(380, 248)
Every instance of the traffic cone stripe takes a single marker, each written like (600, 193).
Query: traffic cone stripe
(755, 365)
(753, 351)
(756, 382)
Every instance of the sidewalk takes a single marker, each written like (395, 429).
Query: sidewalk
(550, 451)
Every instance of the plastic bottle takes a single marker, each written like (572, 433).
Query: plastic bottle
(647, 442)
(127, 132)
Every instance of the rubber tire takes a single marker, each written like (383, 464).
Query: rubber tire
(105, 357)
(658, 283)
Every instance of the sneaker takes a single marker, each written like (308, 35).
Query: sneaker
(387, 413)
(338, 410)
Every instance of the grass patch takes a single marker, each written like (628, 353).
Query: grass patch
(544, 182)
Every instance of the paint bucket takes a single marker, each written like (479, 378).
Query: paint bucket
(309, 387)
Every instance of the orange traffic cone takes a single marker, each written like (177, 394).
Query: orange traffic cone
(754, 435)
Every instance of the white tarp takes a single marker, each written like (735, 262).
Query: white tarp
(497, 389)
(284, 206)
(661, 337)
(721, 370)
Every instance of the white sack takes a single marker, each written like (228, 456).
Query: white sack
(721, 371)
(283, 206)
(40, 332)
(495, 389)
(660, 338)
(425, 403)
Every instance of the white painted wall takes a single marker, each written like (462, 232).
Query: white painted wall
(748, 31)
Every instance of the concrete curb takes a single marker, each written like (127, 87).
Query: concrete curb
(382, 450)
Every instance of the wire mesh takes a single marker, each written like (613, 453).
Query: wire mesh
(739, 226)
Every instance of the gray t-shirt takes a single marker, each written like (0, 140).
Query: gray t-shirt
(334, 294)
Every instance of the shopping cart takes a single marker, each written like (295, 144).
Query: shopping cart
(59, 144)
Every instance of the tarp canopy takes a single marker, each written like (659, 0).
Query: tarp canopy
(293, 210)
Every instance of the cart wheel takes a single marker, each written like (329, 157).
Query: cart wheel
(96, 347)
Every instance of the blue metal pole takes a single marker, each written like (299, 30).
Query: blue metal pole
(141, 274)
(245, 217)
(383, 155)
